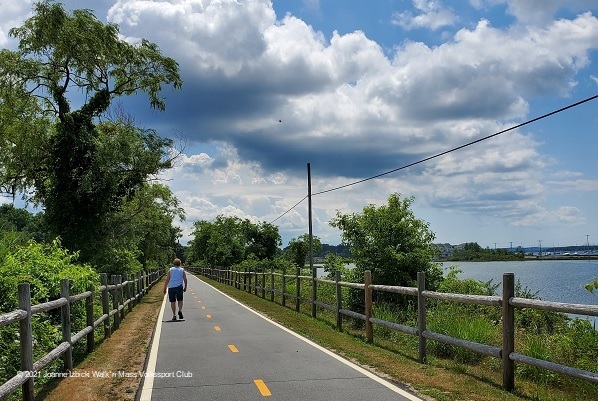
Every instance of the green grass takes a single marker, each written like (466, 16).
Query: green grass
(463, 375)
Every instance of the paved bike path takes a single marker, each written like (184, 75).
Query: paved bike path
(223, 351)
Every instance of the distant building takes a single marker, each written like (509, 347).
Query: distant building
(446, 250)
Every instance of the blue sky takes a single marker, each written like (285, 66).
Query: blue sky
(358, 88)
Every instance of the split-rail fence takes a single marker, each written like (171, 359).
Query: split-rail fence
(117, 299)
(264, 282)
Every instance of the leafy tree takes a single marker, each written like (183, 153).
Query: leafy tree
(229, 240)
(22, 222)
(390, 242)
(84, 170)
(298, 249)
(262, 239)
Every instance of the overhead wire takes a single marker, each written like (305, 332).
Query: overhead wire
(445, 152)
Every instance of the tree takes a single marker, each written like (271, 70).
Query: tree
(80, 177)
(298, 249)
(229, 240)
(391, 243)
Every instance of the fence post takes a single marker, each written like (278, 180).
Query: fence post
(339, 301)
(105, 304)
(284, 285)
(128, 291)
(297, 301)
(26, 340)
(314, 291)
(369, 327)
(115, 301)
(421, 315)
(65, 317)
(120, 291)
(508, 331)
(272, 283)
(90, 339)
(255, 282)
(263, 283)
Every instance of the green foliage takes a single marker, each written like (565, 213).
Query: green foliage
(229, 240)
(454, 323)
(297, 251)
(471, 251)
(592, 286)
(43, 266)
(83, 172)
(391, 243)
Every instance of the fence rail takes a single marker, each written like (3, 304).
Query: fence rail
(133, 289)
(252, 281)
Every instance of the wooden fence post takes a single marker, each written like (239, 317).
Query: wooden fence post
(272, 283)
(255, 282)
(120, 291)
(128, 291)
(263, 283)
(339, 301)
(65, 317)
(90, 339)
(105, 304)
(314, 291)
(421, 315)
(297, 301)
(115, 301)
(26, 340)
(508, 331)
(369, 327)
(284, 285)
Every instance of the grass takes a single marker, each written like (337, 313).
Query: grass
(395, 358)
(125, 350)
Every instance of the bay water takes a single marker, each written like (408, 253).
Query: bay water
(554, 280)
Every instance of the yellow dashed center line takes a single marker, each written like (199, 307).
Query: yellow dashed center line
(233, 348)
(217, 328)
(209, 316)
(262, 387)
(203, 307)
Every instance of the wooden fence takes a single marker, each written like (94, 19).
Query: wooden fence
(119, 288)
(257, 282)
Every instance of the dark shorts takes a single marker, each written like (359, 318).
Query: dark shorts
(175, 293)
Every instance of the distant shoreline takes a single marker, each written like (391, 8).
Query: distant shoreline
(550, 257)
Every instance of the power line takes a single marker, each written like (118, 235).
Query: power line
(294, 206)
(458, 147)
(444, 153)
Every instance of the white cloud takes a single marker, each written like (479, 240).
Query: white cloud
(13, 14)
(432, 15)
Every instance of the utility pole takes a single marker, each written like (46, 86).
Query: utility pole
(540, 243)
(511, 242)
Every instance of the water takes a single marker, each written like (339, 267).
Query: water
(555, 280)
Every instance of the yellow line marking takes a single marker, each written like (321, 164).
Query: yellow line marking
(262, 387)
(203, 307)
(217, 328)
(233, 348)
(208, 316)
(195, 297)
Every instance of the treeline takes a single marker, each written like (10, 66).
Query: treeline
(473, 252)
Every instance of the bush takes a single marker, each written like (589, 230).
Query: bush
(42, 266)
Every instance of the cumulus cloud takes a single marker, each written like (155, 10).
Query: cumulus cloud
(431, 14)
(276, 93)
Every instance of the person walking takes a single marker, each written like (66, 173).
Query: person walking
(176, 282)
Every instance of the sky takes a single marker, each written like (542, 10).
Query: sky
(358, 88)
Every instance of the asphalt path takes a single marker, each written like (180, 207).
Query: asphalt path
(224, 351)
